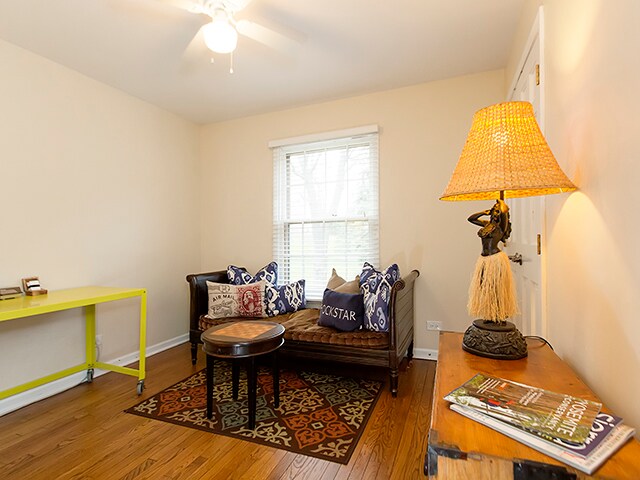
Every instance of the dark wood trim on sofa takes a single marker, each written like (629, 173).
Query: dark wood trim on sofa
(400, 331)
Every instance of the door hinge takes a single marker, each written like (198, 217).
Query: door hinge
(537, 74)
(539, 244)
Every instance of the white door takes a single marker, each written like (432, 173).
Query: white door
(527, 213)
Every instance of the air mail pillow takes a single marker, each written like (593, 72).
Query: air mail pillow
(376, 287)
(339, 284)
(343, 311)
(227, 300)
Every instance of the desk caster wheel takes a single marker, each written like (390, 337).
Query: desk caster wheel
(90, 375)
(140, 387)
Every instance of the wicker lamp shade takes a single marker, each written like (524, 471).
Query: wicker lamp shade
(506, 152)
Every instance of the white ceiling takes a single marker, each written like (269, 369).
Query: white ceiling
(337, 48)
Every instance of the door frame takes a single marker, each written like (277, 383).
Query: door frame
(537, 33)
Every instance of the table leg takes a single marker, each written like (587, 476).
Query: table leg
(276, 380)
(209, 376)
(143, 338)
(251, 379)
(235, 378)
(90, 334)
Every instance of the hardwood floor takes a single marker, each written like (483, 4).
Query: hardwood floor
(83, 434)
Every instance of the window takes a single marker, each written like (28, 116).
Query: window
(325, 209)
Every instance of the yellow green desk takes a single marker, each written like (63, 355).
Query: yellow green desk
(87, 297)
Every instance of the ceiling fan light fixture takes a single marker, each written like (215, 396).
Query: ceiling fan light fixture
(219, 35)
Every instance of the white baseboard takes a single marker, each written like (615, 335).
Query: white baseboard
(152, 350)
(425, 353)
(28, 397)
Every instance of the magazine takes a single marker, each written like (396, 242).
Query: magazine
(554, 414)
(587, 464)
(603, 425)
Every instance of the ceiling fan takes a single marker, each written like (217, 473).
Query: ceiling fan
(220, 35)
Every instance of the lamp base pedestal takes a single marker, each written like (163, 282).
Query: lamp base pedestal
(494, 340)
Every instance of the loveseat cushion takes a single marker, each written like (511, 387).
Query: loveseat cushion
(301, 326)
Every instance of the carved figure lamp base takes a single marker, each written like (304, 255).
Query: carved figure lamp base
(494, 340)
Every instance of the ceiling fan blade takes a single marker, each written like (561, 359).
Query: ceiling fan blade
(265, 35)
(188, 5)
(198, 6)
(236, 5)
(196, 51)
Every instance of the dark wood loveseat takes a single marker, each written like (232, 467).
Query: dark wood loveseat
(307, 340)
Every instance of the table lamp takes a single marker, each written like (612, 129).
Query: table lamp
(505, 156)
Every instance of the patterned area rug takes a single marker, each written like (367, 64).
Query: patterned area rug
(320, 415)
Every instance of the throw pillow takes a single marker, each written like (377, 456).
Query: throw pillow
(376, 287)
(240, 276)
(285, 298)
(343, 311)
(227, 300)
(339, 284)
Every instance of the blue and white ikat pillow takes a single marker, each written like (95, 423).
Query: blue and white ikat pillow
(285, 298)
(240, 276)
(376, 288)
(278, 299)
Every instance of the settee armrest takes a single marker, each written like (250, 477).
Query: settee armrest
(199, 297)
(401, 313)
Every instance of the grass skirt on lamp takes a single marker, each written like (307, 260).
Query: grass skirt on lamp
(492, 294)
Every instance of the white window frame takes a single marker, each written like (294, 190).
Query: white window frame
(316, 270)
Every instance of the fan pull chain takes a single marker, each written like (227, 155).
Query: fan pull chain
(231, 62)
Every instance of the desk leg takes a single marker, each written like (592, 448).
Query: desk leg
(143, 341)
(90, 332)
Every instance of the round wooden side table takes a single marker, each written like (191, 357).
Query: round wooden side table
(243, 340)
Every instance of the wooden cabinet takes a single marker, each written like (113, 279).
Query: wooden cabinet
(459, 448)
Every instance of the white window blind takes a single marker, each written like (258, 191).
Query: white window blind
(325, 212)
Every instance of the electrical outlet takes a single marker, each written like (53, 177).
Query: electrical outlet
(99, 339)
(434, 325)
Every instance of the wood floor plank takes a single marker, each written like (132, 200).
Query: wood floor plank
(391, 427)
(403, 419)
(282, 466)
(224, 464)
(83, 433)
(304, 467)
(175, 456)
(266, 466)
(408, 462)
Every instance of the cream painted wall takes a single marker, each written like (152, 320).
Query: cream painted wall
(96, 188)
(593, 263)
(422, 131)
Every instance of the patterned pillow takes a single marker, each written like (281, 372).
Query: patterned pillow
(285, 298)
(227, 300)
(343, 311)
(240, 276)
(339, 284)
(376, 287)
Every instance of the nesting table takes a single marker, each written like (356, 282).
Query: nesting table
(245, 340)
